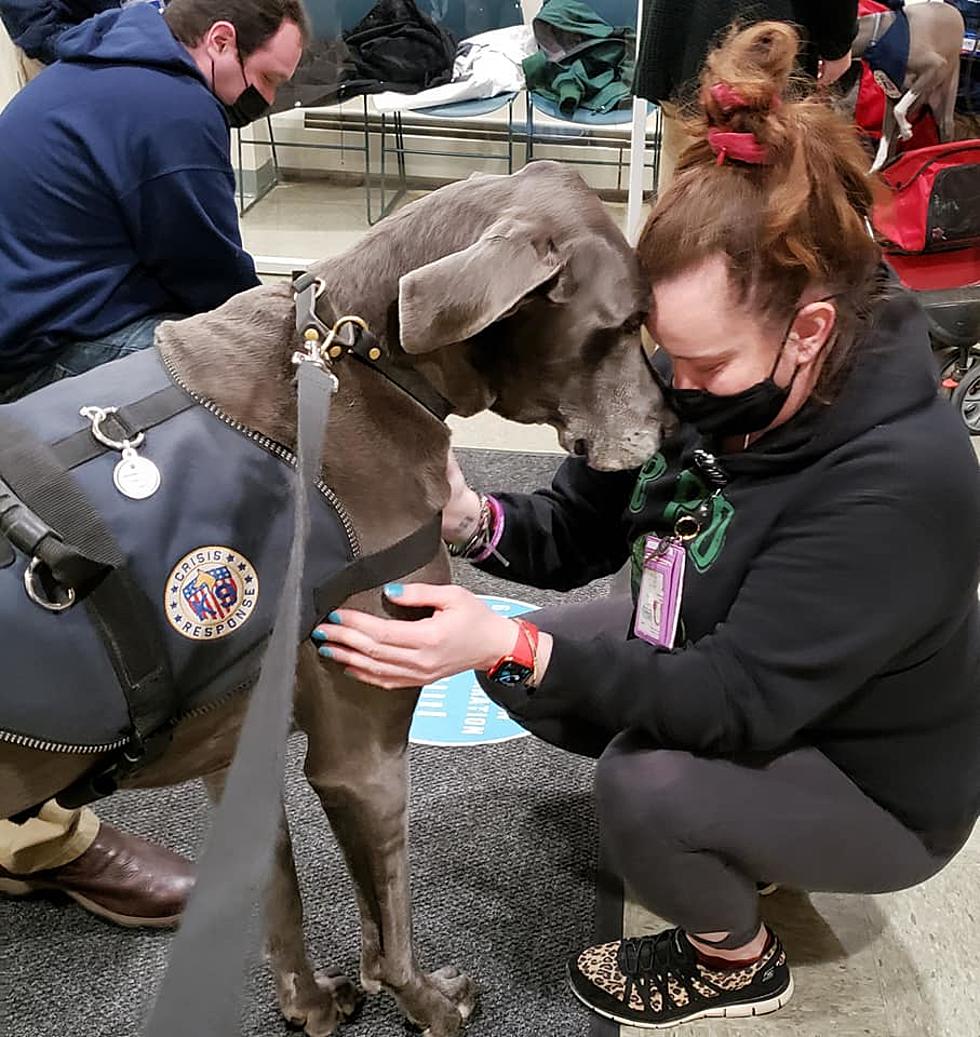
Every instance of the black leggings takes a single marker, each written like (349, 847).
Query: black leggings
(691, 835)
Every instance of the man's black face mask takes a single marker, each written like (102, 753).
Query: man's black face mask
(247, 107)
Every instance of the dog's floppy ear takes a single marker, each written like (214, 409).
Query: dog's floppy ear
(459, 295)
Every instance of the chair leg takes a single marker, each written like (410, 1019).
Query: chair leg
(398, 133)
(368, 182)
(241, 176)
(384, 162)
(510, 138)
(529, 141)
(619, 170)
(400, 145)
(272, 146)
(658, 130)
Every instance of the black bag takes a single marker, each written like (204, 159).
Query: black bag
(393, 47)
(396, 47)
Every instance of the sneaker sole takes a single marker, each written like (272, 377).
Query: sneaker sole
(746, 1011)
(16, 888)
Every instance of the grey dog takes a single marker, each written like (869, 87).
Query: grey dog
(936, 37)
(515, 294)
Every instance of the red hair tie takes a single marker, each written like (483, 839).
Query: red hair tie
(731, 100)
(728, 98)
(742, 147)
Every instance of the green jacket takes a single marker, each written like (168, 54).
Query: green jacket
(583, 62)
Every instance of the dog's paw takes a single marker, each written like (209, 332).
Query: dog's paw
(450, 997)
(457, 987)
(317, 1003)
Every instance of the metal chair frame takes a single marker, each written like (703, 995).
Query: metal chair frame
(442, 128)
(364, 149)
(590, 138)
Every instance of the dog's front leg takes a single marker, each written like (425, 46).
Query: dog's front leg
(888, 130)
(357, 762)
(902, 110)
(315, 1001)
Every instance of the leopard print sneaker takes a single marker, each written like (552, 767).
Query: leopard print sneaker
(657, 982)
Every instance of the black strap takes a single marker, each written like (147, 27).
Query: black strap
(80, 551)
(364, 345)
(45, 514)
(126, 423)
(201, 992)
(406, 378)
(391, 563)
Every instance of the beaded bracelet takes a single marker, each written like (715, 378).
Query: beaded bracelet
(489, 529)
(495, 529)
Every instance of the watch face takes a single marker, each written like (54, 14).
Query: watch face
(512, 672)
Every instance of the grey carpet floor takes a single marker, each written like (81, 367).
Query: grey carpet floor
(503, 875)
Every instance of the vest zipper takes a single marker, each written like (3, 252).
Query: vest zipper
(26, 742)
(41, 745)
(273, 447)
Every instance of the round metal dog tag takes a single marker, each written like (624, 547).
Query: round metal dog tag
(136, 477)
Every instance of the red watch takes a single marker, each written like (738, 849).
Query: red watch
(518, 667)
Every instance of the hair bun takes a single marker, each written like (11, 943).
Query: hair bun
(750, 72)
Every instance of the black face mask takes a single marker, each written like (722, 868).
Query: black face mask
(750, 410)
(248, 106)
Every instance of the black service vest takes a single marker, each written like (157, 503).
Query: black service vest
(208, 548)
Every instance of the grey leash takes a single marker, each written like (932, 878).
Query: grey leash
(201, 992)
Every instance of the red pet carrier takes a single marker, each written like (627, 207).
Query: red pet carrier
(934, 202)
(929, 227)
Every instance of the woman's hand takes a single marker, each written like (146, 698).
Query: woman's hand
(831, 71)
(462, 634)
(461, 515)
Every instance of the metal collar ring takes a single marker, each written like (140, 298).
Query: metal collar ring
(32, 590)
(97, 415)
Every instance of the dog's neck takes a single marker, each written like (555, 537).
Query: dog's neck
(364, 281)
(385, 455)
(866, 31)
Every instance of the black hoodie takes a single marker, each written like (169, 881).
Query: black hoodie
(677, 37)
(832, 601)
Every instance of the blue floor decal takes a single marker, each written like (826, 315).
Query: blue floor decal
(457, 712)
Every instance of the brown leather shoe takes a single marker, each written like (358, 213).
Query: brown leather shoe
(120, 877)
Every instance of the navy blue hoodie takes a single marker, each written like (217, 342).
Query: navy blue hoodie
(117, 198)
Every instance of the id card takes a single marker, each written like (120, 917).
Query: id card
(658, 606)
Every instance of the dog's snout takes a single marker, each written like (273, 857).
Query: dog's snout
(580, 448)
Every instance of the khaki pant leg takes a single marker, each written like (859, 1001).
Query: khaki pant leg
(50, 840)
(673, 141)
(27, 68)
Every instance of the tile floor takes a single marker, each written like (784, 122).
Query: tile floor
(902, 965)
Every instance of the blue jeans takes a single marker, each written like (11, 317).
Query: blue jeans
(79, 357)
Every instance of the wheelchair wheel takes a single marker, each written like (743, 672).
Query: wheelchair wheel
(966, 399)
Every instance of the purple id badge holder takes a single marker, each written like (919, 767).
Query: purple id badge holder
(658, 606)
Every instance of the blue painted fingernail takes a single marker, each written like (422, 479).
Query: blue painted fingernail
(394, 590)
(326, 652)
(318, 635)
(334, 617)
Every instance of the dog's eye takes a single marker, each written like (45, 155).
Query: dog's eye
(633, 325)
